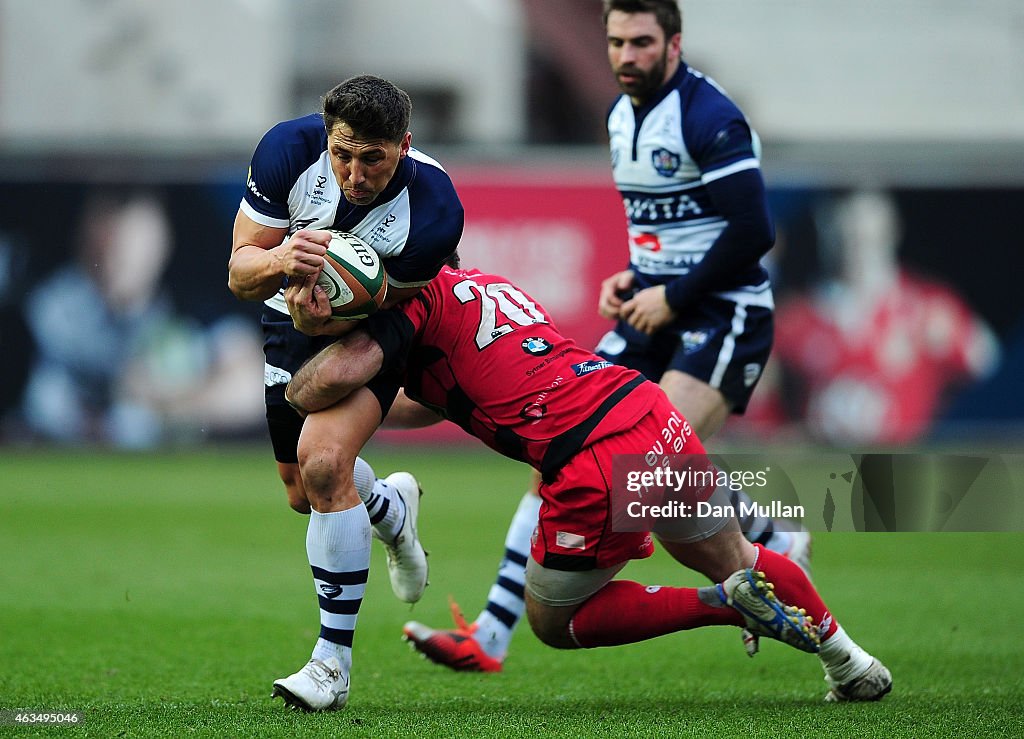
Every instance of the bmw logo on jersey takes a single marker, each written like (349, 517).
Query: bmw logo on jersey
(536, 346)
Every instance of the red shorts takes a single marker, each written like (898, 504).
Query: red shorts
(575, 528)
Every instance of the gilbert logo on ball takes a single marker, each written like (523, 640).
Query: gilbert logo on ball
(353, 277)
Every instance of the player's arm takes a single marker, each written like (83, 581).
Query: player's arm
(382, 343)
(347, 364)
(261, 257)
(748, 235)
(741, 199)
(406, 413)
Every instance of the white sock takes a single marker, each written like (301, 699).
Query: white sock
(338, 548)
(505, 604)
(842, 658)
(383, 503)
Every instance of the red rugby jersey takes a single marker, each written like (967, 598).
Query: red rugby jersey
(488, 357)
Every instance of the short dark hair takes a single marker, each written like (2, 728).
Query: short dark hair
(453, 260)
(372, 107)
(666, 12)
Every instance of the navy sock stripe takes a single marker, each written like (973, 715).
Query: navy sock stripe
(379, 516)
(343, 607)
(511, 586)
(377, 506)
(354, 577)
(337, 636)
(505, 616)
(515, 557)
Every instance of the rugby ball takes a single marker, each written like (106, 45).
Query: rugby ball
(352, 277)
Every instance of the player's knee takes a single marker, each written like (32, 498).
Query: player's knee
(325, 469)
(319, 467)
(549, 624)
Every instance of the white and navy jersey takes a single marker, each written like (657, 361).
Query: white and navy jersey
(664, 156)
(415, 224)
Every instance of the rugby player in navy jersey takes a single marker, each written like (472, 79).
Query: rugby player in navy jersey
(483, 354)
(694, 308)
(352, 168)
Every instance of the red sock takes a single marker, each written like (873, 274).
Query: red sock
(793, 588)
(623, 612)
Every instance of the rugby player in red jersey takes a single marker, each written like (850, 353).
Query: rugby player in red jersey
(483, 354)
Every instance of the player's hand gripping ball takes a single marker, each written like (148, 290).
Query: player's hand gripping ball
(352, 277)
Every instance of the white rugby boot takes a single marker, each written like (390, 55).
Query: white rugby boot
(860, 678)
(407, 561)
(749, 592)
(319, 686)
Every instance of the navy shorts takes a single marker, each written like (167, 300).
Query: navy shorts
(285, 350)
(718, 341)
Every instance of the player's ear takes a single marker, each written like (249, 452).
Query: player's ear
(675, 46)
(404, 147)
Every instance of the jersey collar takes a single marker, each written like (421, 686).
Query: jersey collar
(662, 92)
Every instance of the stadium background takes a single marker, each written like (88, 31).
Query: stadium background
(919, 100)
(136, 564)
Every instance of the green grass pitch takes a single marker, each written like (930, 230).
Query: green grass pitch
(161, 594)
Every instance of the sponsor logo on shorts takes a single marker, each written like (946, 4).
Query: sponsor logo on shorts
(570, 541)
(611, 344)
(750, 373)
(585, 368)
(694, 340)
(275, 375)
(536, 346)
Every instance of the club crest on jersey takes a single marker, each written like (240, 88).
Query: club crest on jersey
(694, 340)
(665, 162)
(536, 346)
